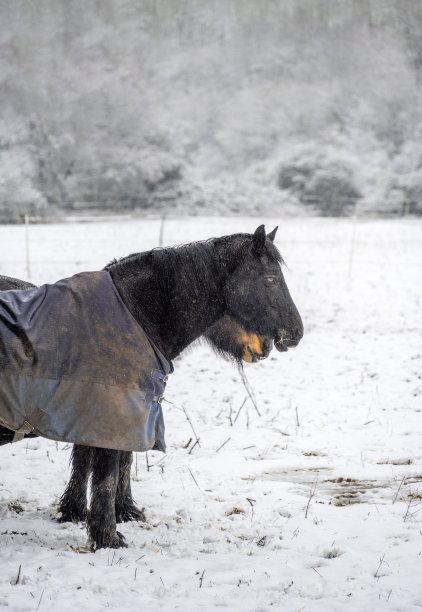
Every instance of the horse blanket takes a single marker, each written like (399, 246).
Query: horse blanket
(76, 366)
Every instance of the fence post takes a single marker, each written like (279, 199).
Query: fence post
(28, 265)
(353, 240)
(161, 236)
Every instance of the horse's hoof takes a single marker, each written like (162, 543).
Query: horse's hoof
(71, 517)
(108, 540)
(129, 513)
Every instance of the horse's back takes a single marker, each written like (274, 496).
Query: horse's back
(7, 283)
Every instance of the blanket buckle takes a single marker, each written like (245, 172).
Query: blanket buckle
(20, 433)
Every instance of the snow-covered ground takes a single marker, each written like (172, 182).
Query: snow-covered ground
(311, 505)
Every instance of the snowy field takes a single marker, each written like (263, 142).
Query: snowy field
(312, 504)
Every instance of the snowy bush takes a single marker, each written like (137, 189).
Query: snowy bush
(19, 194)
(406, 185)
(322, 178)
(122, 178)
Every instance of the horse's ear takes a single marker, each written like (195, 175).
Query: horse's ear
(258, 239)
(272, 234)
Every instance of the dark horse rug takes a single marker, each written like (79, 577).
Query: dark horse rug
(76, 366)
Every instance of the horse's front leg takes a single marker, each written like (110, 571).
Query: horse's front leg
(126, 509)
(101, 519)
(72, 503)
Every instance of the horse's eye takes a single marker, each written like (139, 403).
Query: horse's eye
(271, 280)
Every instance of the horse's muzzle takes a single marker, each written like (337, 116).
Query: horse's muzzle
(281, 346)
(286, 340)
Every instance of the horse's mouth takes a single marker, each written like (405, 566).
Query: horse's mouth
(257, 349)
(253, 352)
(253, 357)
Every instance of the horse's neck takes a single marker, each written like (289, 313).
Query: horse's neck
(172, 318)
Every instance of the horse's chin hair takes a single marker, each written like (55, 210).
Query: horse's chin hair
(226, 355)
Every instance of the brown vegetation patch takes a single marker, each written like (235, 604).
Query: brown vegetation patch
(15, 507)
(395, 462)
(235, 510)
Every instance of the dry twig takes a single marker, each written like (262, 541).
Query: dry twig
(251, 502)
(397, 492)
(241, 406)
(311, 495)
(191, 424)
(197, 442)
(249, 391)
(194, 479)
(220, 447)
(39, 601)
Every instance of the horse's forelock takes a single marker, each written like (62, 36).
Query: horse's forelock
(273, 252)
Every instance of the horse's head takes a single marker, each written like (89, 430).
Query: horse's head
(228, 337)
(256, 294)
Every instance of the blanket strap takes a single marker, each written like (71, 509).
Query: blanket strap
(20, 433)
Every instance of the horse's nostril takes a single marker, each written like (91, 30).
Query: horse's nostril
(295, 338)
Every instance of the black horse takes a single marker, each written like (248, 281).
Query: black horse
(176, 295)
(228, 339)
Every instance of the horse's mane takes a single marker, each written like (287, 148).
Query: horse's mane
(198, 260)
(205, 251)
